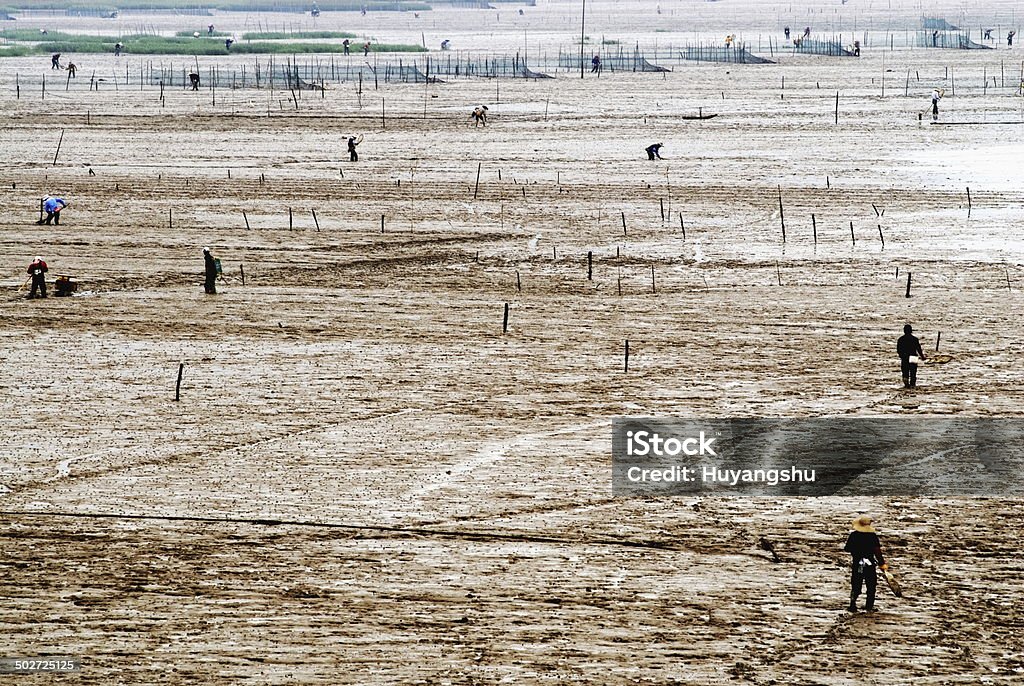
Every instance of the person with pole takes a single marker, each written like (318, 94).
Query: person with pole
(37, 271)
(937, 94)
(866, 552)
(52, 206)
(353, 141)
(654, 151)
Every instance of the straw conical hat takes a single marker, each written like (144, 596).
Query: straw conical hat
(863, 523)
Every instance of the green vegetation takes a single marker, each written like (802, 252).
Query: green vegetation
(609, 41)
(34, 35)
(303, 6)
(178, 45)
(14, 50)
(280, 35)
(202, 34)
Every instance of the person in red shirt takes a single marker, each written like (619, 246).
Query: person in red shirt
(38, 271)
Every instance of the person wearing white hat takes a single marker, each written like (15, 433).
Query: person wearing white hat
(37, 271)
(866, 550)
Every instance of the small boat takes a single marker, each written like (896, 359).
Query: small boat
(698, 116)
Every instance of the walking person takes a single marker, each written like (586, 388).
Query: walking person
(866, 552)
(935, 39)
(595, 64)
(654, 151)
(936, 96)
(72, 70)
(38, 270)
(1009, 38)
(212, 268)
(52, 206)
(908, 347)
(353, 141)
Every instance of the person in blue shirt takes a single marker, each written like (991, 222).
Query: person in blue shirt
(52, 207)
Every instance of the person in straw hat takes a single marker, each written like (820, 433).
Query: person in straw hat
(866, 550)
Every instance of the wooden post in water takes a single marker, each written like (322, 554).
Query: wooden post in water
(782, 216)
(177, 385)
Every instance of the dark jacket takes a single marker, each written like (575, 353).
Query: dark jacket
(861, 544)
(908, 345)
(37, 266)
(211, 266)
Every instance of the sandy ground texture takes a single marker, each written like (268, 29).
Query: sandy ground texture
(366, 481)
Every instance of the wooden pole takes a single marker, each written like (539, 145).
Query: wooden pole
(909, 274)
(653, 288)
(968, 202)
(937, 339)
(289, 218)
(177, 386)
(853, 238)
(681, 226)
(382, 223)
(476, 190)
(626, 361)
(58, 147)
(814, 228)
(504, 323)
(583, 35)
(590, 265)
(837, 107)
(241, 272)
(782, 216)
(778, 272)
(623, 223)
(881, 237)
(246, 218)
(316, 221)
